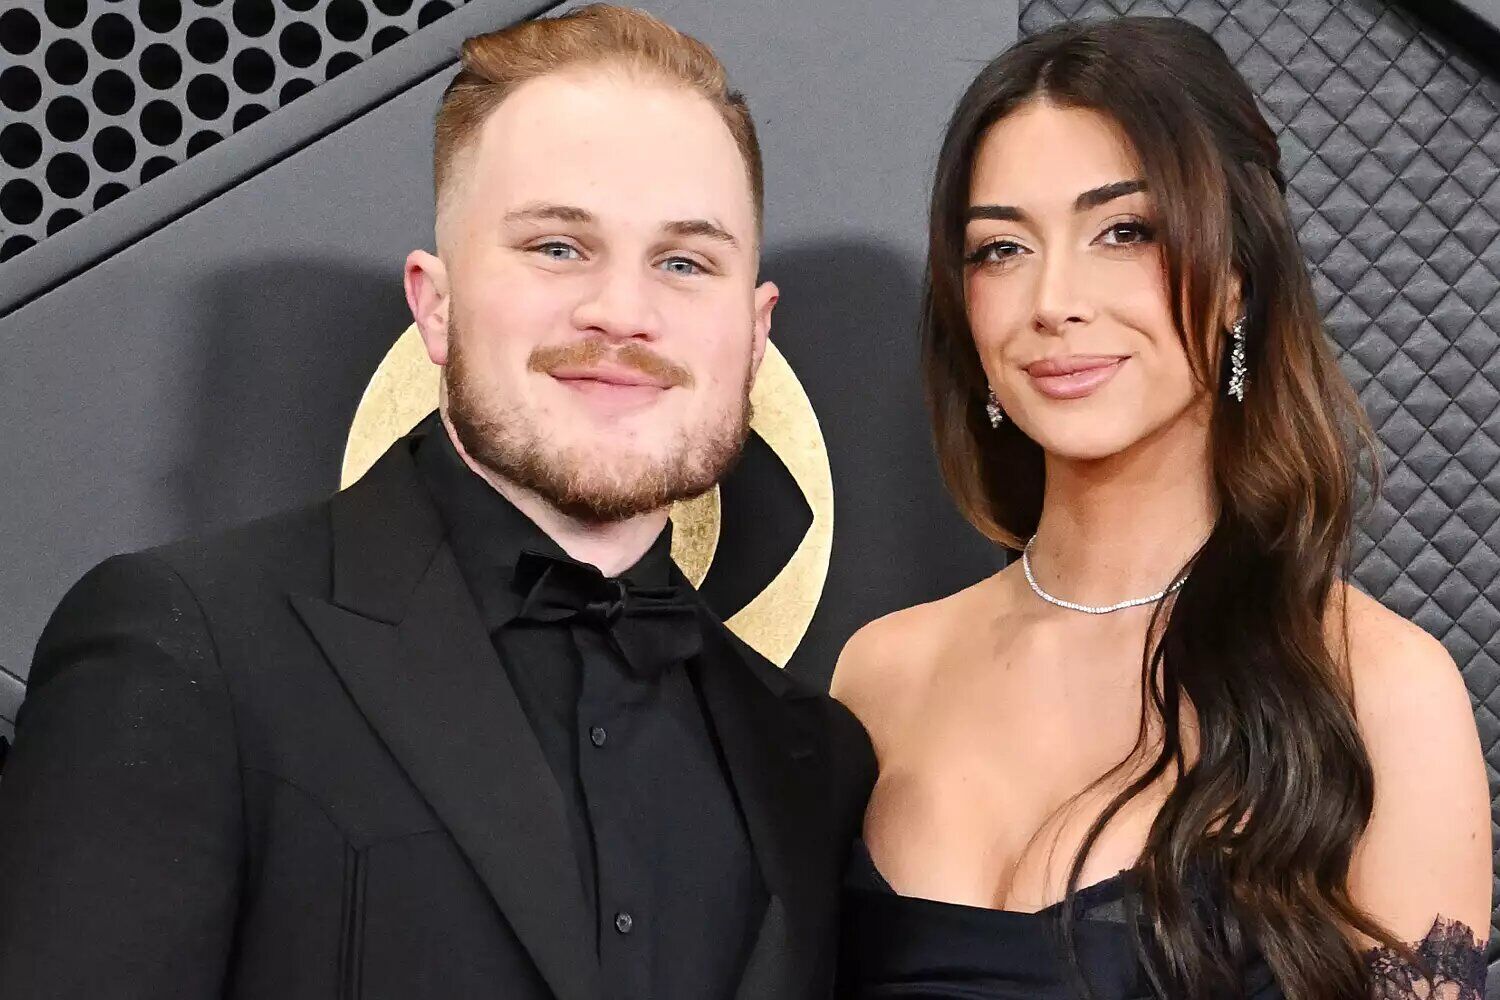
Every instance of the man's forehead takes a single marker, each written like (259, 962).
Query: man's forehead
(636, 149)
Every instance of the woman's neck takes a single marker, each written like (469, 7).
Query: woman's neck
(1122, 527)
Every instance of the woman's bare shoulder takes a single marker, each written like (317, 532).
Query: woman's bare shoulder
(886, 662)
(1426, 853)
(1379, 636)
(1397, 669)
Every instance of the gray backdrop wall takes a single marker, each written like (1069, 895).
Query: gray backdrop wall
(188, 320)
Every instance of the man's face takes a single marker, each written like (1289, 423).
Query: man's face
(595, 304)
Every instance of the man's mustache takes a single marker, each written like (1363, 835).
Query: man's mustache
(628, 355)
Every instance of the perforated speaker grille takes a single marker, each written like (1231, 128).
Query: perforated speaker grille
(101, 96)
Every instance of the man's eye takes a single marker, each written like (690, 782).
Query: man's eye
(558, 251)
(683, 266)
(994, 252)
(1126, 233)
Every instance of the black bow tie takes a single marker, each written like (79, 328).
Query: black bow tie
(652, 627)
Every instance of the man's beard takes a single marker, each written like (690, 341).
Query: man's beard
(510, 441)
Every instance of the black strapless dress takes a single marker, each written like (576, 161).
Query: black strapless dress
(897, 946)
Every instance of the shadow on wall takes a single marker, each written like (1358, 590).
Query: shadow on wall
(286, 348)
(847, 322)
(267, 363)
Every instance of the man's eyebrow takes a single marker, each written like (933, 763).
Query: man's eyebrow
(550, 213)
(1092, 198)
(703, 228)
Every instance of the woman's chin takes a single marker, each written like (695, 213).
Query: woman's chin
(1092, 445)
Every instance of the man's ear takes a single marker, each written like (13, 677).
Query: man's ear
(427, 295)
(766, 297)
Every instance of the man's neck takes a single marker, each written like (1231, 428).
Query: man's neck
(612, 547)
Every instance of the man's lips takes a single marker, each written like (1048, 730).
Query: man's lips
(1075, 375)
(631, 377)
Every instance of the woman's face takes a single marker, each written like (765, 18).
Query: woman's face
(1066, 288)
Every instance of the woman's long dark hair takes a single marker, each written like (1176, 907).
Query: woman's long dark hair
(1265, 809)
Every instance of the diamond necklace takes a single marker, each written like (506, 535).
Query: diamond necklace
(1090, 609)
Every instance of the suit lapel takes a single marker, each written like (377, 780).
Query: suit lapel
(775, 767)
(404, 635)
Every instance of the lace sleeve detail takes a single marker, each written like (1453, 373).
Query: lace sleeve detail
(1451, 967)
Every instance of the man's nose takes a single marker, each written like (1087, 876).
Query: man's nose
(619, 305)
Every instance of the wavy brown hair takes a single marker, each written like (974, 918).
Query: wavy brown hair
(1266, 808)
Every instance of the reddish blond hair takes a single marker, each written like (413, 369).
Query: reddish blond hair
(598, 35)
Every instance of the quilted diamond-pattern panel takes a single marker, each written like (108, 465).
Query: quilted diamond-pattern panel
(1390, 147)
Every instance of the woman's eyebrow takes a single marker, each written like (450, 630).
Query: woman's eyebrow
(1090, 199)
(1094, 197)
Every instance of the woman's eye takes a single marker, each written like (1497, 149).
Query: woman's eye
(1127, 233)
(995, 252)
(558, 251)
(682, 266)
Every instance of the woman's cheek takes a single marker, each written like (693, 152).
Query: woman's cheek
(990, 313)
(1137, 287)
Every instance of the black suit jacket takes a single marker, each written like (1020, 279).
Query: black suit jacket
(286, 763)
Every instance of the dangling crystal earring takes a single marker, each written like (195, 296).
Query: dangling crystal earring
(993, 411)
(1237, 367)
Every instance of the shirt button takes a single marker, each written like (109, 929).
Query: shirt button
(624, 922)
(597, 736)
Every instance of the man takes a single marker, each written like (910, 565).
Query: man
(463, 730)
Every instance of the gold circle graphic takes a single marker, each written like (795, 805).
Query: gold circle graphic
(404, 389)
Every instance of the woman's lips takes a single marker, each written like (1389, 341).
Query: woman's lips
(1073, 376)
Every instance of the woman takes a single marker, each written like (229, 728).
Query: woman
(1171, 751)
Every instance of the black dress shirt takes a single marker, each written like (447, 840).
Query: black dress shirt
(663, 858)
